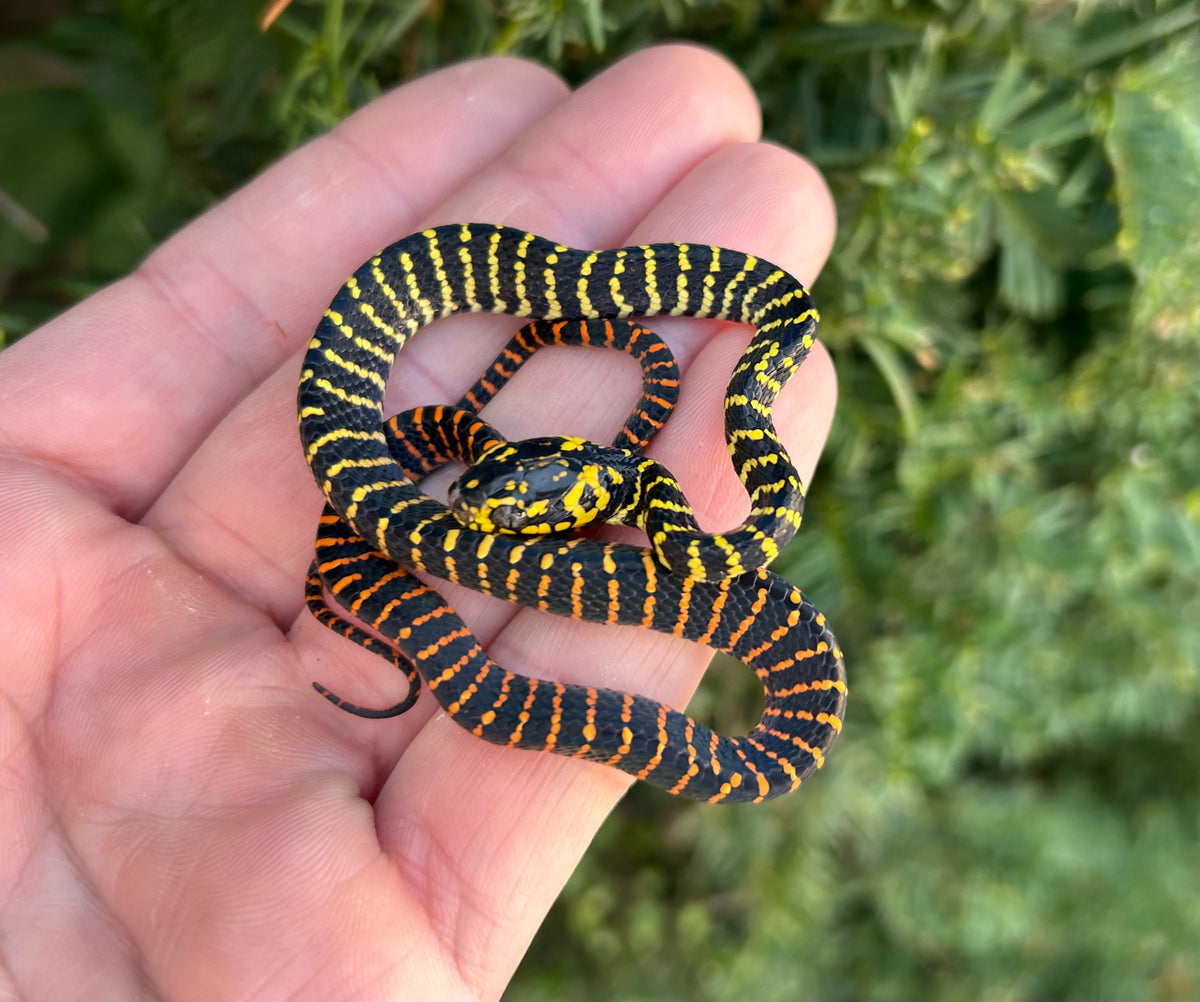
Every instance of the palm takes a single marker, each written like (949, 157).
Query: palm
(183, 815)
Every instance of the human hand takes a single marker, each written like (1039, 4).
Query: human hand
(183, 815)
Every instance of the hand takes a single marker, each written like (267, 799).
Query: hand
(183, 815)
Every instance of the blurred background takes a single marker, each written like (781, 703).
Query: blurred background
(1004, 529)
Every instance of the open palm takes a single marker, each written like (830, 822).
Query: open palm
(181, 814)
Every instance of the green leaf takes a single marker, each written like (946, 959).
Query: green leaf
(1029, 280)
(1153, 142)
(892, 368)
(1013, 92)
(1133, 37)
(593, 13)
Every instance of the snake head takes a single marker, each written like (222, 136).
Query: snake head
(542, 485)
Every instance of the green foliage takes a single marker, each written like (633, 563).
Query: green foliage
(117, 126)
(1004, 530)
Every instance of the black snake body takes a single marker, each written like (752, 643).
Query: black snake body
(712, 588)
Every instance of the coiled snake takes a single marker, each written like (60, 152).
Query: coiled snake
(709, 587)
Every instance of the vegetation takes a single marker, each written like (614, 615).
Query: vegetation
(1005, 528)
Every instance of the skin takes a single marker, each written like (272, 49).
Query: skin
(183, 815)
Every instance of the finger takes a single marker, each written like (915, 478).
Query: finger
(147, 367)
(502, 818)
(245, 508)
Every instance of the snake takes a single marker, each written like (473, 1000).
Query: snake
(712, 588)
